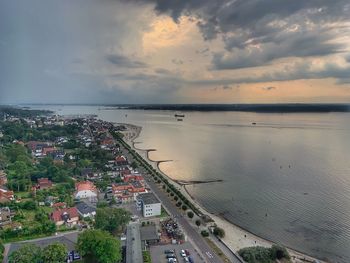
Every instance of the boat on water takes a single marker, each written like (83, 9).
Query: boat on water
(179, 119)
(179, 115)
(254, 123)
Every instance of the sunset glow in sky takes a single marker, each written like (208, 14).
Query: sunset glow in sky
(187, 51)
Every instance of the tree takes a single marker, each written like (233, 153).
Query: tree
(99, 246)
(111, 219)
(184, 207)
(198, 222)
(190, 214)
(2, 249)
(279, 252)
(204, 233)
(219, 232)
(55, 253)
(28, 253)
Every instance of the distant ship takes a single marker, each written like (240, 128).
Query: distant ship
(254, 123)
(179, 119)
(179, 115)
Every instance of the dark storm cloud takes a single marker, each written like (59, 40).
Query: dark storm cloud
(296, 71)
(125, 62)
(269, 88)
(257, 32)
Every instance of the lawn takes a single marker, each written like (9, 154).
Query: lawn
(146, 257)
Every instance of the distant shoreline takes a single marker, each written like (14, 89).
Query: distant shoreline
(258, 108)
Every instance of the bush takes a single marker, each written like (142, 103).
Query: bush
(279, 252)
(190, 214)
(204, 233)
(178, 204)
(219, 232)
(176, 198)
(184, 207)
(198, 222)
(262, 254)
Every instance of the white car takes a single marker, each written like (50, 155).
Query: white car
(183, 253)
(186, 259)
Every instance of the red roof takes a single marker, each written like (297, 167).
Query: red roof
(120, 158)
(85, 185)
(57, 215)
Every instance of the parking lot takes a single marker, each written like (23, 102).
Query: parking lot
(158, 255)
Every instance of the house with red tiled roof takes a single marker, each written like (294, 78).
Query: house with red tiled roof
(3, 178)
(6, 196)
(67, 216)
(85, 190)
(121, 160)
(127, 192)
(44, 183)
(132, 177)
(59, 205)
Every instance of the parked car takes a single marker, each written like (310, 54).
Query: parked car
(169, 251)
(170, 256)
(183, 253)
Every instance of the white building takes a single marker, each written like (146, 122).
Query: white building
(85, 190)
(150, 204)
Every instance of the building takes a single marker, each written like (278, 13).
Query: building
(133, 244)
(3, 178)
(44, 183)
(5, 216)
(85, 190)
(86, 210)
(149, 235)
(68, 239)
(66, 216)
(127, 192)
(121, 160)
(149, 204)
(6, 196)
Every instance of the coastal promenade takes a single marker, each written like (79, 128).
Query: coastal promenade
(205, 250)
(192, 234)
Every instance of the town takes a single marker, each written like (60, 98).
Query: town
(69, 182)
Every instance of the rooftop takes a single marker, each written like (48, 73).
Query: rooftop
(149, 233)
(148, 198)
(133, 244)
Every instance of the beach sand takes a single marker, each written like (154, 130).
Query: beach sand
(235, 237)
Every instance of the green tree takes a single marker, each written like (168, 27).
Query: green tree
(279, 252)
(198, 222)
(219, 232)
(28, 253)
(190, 214)
(55, 253)
(2, 249)
(111, 219)
(99, 246)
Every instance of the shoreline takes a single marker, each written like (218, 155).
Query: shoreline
(236, 237)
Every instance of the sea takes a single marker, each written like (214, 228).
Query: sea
(285, 178)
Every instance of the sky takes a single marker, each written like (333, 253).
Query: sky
(183, 51)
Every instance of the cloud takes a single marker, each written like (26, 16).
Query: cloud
(296, 71)
(268, 88)
(226, 87)
(126, 62)
(177, 61)
(258, 32)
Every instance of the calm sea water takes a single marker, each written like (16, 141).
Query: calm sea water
(293, 167)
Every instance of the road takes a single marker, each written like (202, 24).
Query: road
(192, 234)
(198, 241)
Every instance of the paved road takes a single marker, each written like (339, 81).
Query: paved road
(193, 235)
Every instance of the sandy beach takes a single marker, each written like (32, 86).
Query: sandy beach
(235, 237)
